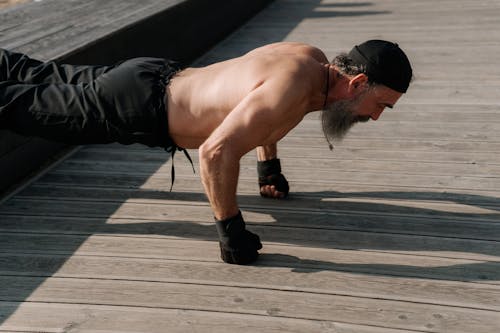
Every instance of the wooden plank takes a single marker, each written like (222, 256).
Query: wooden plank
(317, 141)
(285, 229)
(438, 226)
(191, 247)
(341, 152)
(389, 119)
(374, 215)
(159, 208)
(448, 207)
(318, 182)
(280, 303)
(51, 29)
(324, 167)
(95, 20)
(395, 224)
(158, 188)
(409, 131)
(56, 318)
(334, 187)
(446, 203)
(278, 273)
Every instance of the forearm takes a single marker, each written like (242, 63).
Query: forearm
(219, 174)
(268, 152)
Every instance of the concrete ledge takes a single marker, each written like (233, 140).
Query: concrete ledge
(96, 32)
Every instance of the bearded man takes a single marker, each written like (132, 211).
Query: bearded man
(225, 110)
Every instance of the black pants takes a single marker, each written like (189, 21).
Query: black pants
(122, 103)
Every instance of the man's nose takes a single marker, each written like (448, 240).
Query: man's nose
(375, 115)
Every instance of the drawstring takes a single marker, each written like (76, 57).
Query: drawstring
(172, 147)
(171, 150)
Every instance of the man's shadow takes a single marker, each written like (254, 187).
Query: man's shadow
(312, 219)
(422, 229)
(366, 221)
(332, 216)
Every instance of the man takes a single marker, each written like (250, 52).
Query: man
(225, 110)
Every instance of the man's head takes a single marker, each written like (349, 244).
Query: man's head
(371, 77)
(384, 63)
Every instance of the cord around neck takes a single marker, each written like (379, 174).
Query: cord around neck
(327, 87)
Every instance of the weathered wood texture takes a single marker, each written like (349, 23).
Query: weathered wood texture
(396, 230)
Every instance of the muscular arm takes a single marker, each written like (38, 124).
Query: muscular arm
(261, 119)
(220, 168)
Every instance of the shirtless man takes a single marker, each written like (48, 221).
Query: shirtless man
(225, 110)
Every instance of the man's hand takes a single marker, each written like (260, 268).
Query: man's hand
(272, 183)
(237, 245)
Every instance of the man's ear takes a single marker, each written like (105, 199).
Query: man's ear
(357, 83)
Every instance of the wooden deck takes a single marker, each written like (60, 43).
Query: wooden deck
(397, 230)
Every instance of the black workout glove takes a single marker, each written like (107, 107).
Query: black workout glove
(270, 174)
(237, 245)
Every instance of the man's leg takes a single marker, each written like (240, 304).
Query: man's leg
(124, 104)
(21, 68)
(65, 113)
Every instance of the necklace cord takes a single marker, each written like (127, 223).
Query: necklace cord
(324, 103)
(327, 87)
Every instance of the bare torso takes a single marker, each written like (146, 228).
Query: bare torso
(199, 99)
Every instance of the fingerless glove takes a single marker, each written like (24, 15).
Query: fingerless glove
(270, 174)
(237, 245)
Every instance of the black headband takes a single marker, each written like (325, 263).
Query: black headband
(384, 63)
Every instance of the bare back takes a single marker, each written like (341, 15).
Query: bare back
(199, 99)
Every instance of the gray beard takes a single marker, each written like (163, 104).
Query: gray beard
(339, 118)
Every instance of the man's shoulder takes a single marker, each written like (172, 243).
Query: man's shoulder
(295, 77)
(289, 48)
(294, 69)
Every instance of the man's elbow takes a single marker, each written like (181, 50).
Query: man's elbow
(210, 153)
(218, 152)
(214, 157)
(216, 160)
